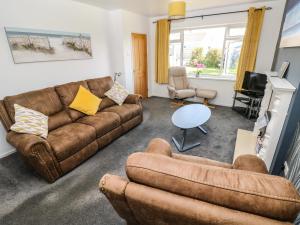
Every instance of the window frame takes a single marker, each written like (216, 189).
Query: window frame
(227, 37)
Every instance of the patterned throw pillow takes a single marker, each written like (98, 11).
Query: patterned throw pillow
(117, 93)
(29, 121)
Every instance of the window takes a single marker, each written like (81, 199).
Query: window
(207, 51)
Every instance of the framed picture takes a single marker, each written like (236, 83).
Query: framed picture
(283, 69)
(291, 29)
(30, 45)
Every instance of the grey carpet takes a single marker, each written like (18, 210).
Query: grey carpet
(74, 199)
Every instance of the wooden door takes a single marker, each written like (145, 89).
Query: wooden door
(139, 49)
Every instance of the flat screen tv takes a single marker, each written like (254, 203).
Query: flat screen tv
(255, 82)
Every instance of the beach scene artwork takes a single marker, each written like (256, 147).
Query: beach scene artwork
(291, 30)
(30, 45)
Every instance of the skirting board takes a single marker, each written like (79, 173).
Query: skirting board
(7, 153)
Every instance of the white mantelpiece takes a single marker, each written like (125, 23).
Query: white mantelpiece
(278, 95)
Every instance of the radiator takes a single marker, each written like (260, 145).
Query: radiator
(292, 165)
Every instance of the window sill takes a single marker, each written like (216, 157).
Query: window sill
(210, 77)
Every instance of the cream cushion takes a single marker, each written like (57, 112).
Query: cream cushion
(117, 93)
(29, 121)
(186, 93)
(204, 93)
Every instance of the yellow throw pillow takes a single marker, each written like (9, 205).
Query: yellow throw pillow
(86, 102)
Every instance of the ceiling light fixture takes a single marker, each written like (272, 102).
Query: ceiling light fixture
(177, 9)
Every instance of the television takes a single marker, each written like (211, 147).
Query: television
(254, 83)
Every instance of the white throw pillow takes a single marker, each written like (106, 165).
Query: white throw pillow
(117, 93)
(29, 121)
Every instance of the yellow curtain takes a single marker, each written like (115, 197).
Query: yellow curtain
(162, 51)
(250, 44)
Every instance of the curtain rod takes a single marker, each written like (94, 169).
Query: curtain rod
(214, 14)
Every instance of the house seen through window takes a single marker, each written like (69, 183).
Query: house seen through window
(207, 51)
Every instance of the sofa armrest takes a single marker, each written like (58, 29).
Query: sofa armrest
(4, 117)
(113, 187)
(133, 99)
(159, 146)
(171, 88)
(250, 163)
(172, 91)
(38, 153)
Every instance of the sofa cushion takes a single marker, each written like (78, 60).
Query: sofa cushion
(86, 102)
(29, 121)
(58, 119)
(99, 86)
(206, 93)
(105, 103)
(201, 160)
(125, 111)
(45, 101)
(103, 122)
(67, 93)
(261, 194)
(186, 93)
(117, 93)
(69, 139)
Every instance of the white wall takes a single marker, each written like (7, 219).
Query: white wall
(266, 51)
(61, 15)
(123, 24)
(116, 36)
(133, 23)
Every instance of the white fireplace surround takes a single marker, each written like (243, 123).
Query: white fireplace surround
(277, 98)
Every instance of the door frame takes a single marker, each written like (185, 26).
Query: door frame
(133, 61)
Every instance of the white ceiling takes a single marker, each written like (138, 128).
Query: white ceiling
(160, 7)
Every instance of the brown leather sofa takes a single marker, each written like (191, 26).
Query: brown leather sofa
(73, 136)
(172, 189)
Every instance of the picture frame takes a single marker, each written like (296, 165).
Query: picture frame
(283, 69)
(290, 36)
(36, 45)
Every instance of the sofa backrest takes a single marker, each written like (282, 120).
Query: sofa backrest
(54, 102)
(45, 101)
(261, 194)
(98, 87)
(67, 93)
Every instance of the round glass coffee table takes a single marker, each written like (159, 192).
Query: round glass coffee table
(188, 117)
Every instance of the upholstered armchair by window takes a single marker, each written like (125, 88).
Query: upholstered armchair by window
(179, 87)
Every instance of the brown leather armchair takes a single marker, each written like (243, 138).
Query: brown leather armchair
(165, 188)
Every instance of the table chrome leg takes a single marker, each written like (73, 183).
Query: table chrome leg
(180, 147)
(183, 139)
(202, 129)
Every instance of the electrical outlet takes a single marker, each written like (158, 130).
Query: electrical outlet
(286, 168)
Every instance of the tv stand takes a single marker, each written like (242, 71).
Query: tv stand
(249, 103)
